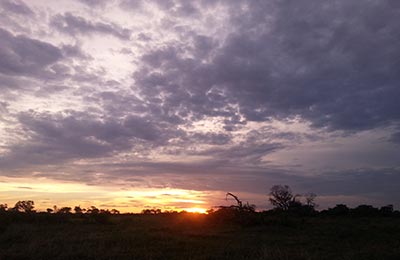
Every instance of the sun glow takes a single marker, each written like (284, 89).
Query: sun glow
(196, 210)
(47, 193)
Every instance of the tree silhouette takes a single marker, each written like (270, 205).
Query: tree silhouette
(240, 206)
(310, 200)
(386, 210)
(64, 210)
(281, 197)
(93, 210)
(151, 211)
(78, 210)
(3, 208)
(24, 206)
(338, 210)
(114, 212)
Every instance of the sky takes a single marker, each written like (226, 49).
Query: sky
(134, 104)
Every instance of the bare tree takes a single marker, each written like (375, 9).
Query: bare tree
(239, 202)
(310, 199)
(240, 206)
(281, 197)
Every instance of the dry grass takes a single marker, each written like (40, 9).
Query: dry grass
(186, 236)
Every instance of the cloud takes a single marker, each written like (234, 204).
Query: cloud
(17, 7)
(25, 56)
(56, 138)
(367, 181)
(395, 138)
(94, 3)
(210, 138)
(74, 51)
(3, 107)
(74, 25)
(288, 59)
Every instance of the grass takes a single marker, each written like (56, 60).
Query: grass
(191, 236)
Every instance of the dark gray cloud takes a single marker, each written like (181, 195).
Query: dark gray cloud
(74, 51)
(131, 4)
(395, 138)
(7, 82)
(75, 25)
(186, 85)
(174, 8)
(16, 6)
(94, 3)
(210, 138)
(381, 183)
(164, 5)
(246, 154)
(38, 67)
(56, 138)
(333, 64)
(3, 107)
(24, 56)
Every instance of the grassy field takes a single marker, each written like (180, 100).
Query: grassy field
(193, 236)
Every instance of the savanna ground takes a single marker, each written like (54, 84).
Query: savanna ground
(195, 236)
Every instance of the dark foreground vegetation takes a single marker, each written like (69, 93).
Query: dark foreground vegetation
(290, 231)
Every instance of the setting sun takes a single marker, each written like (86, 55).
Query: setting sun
(196, 210)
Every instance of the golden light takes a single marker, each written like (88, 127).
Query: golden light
(46, 193)
(196, 210)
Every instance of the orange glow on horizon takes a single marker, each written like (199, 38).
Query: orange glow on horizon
(46, 193)
(196, 210)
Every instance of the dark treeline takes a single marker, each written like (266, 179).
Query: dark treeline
(293, 229)
(285, 204)
(288, 207)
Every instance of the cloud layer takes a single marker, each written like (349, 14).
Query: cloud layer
(109, 91)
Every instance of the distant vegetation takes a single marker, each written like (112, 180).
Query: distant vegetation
(280, 197)
(293, 229)
(285, 203)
